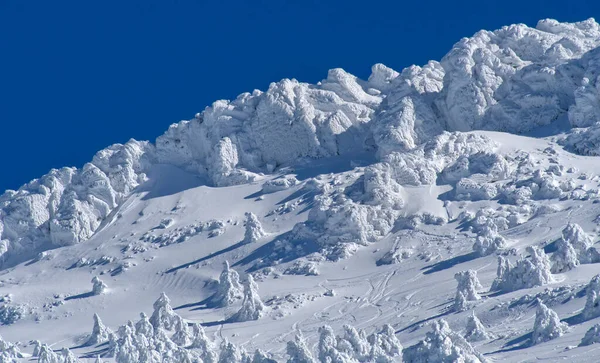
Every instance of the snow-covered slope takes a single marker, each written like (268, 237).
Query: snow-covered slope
(466, 186)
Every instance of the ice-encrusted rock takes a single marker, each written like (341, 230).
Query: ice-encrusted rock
(444, 346)
(98, 286)
(254, 230)
(298, 351)
(252, 306)
(592, 336)
(163, 316)
(100, 332)
(528, 272)
(547, 325)
(229, 288)
(475, 330)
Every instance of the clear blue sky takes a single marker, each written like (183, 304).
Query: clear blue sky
(76, 76)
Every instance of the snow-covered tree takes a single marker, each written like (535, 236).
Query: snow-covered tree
(488, 241)
(47, 355)
(163, 315)
(468, 283)
(99, 332)
(354, 343)
(262, 357)
(144, 327)
(528, 272)
(37, 345)
(252, 306)
(254, 230)
(229, 288)
(202, 344)
(547, 325)
(126, 351)
(460, 302)
(592, 336)
(385, 347)
(298, 352)
(565, 258)
(229, 353)
(9, 352)
(442, 345)
(182, 336)
(573, 248)
(68, 356)
(98, 287)
(328, 347)
(475, 330)
(592, 302)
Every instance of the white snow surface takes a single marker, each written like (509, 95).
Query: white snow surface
(346, 207)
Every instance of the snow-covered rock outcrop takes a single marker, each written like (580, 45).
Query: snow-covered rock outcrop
(514, 79)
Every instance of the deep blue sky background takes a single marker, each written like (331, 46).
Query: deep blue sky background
(76, 76)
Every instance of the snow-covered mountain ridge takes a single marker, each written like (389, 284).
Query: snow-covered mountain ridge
(427, 162)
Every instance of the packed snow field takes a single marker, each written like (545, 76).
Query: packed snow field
(447, 213)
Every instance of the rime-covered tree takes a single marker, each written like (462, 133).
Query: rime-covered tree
(467, 287)
(328, 347)
(298, 352)
(254, 230)
(262, 357)
(163, 315)
(182, 336)
(252, 306)
(592, 336)
(592, 302)
(229, 353)
(547, 325)
(442, 345)
(98, 286)
(203, 345)
(144, 327)
(99, 332)
(229, 288)
(68, 356)
(385, 347)
(475, 330)
(354, 343)
(47, 355)
(528, 272)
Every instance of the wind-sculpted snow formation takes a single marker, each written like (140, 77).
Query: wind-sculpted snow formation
(482, 167)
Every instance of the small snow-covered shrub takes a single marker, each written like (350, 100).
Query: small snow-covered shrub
(10, 313)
